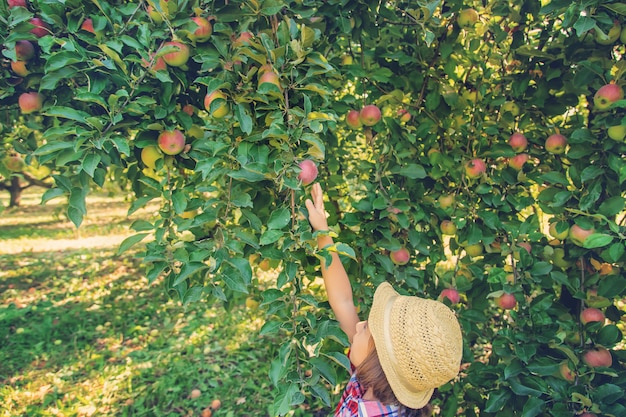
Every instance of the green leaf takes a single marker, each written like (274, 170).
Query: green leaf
(612, 286)
(270, 328)
(52, 147)
(321, 392)
(179, 201)
(612, 206)
(67, 113)
(90, 164)
(279, 219)
(413, 171)
(283, 402)
(597, 240)
(270, 236)
(187, 270)
(61, 60)
(521, 388)
(51, 194)
(534, 406)
(324, 368)
(497, 399)
(234, 281)
(590, 173)
(609, 393)
(245, 121)
(609, 335)
(619, 8)
(584, 24)
(193, 295)
(131, 241)
(243, 266)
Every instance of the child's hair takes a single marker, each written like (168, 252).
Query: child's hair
(370, 374)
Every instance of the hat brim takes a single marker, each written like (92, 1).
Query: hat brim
(384, 297)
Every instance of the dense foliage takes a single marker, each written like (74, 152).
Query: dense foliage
(271, 84)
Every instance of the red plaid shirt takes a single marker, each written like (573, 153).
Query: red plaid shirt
(352, 403)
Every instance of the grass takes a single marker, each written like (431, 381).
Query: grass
(82, 333)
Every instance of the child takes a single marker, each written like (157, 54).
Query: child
(408, 346)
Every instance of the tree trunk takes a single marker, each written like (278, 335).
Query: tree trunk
(16, 191)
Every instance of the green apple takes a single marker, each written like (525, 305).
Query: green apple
(617, 132)
(608, 38)
(467, 18)
(447, 227)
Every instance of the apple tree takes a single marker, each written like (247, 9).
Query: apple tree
(471, 151)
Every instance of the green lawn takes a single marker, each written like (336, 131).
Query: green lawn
(82, 333)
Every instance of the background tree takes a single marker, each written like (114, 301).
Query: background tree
(494, 170)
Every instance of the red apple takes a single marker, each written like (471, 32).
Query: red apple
(220, 110)
(404, 115)
(88, 25)
(308, 171)
(578, 235)
(243, 39)
(446, 201)
(506, 301)
(518, 142)
(518, 161)
(447, 227)
(171, 142)
(475, 168)
(587, 415)
(591, 315)
(30, 102)
(518, 247)
(269, 77)
(370, 115)
(400, 256)
(158, 63)
(179, 56)
(24, 50)
(353, 119)
(154, 14)
(203, 29)
(41, 28)
(598, 357)
(556, 143)
(216, 404)
(19, 68)
(451, 294)
(188, 108)
(16, 3)
(607, 95)
(566, 372)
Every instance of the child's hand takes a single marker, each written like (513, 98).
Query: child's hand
(317, 215)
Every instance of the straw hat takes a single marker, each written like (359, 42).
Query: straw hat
(418, 341)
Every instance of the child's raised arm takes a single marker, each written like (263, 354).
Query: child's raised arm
(336, 279)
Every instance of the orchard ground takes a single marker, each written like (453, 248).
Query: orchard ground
(83, 333)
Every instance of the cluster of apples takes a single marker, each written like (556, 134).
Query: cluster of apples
(369, 115)
(603, 100)
(215, 102)
(31, 101)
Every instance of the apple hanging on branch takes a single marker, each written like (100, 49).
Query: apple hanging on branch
(171, 142)
(400, 256)
(308, 171)
(606, 95)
